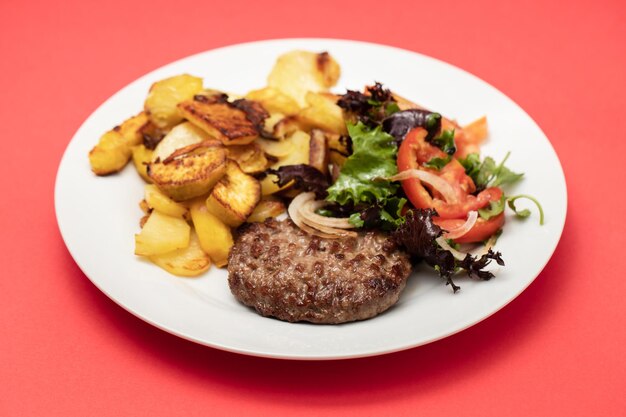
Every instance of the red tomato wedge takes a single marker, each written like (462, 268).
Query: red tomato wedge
(413, 153)
(480, 232)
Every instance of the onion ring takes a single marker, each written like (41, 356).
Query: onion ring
(308, 212)
(439, 184)
(441, 241)
(472, 216)
(295, 210)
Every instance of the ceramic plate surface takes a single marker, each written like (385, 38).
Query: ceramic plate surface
(98, 216)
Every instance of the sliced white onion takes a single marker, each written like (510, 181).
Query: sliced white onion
(295, 216)
(457, 232)
(329, 230)
(308, 212)
(441, 241)
(295, 209)
(439, 184)
(483, 249)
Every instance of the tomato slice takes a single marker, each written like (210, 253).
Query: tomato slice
(480, 232)
(413, 153)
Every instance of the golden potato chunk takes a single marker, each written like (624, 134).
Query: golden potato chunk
(186, 262)
(274, 101)
(277, 148)
(164, 96)
(222, 120)
(152, 134)
(298, 72)
(270, 123)
(161, 234)
(215, 237)
(110, 154)
(286, 127)
(300, 155)
(339, 143)
(234, 197)
(324, 113)
(190, 171)
(180, 136)
(160, 202)
(268, 207)
(113, 150)
(250, 158)
(142, 156)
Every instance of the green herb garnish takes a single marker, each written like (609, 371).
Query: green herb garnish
(445, 141)
(525, 213)
(487, 173)
(438, 163)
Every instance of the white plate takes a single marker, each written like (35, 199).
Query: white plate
(98, 217)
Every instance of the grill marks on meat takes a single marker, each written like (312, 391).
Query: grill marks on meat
(286, 273)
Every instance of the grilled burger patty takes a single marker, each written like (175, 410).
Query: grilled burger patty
(286, 273)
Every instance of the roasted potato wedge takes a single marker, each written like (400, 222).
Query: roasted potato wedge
(268, 207)
(152, 134)
(270, 123)
(318, 151)
(113, 150)
(110, 155)
(234, 197)
(186, 262)
(191, 171)
(131, 128)
(276, 148)
(269, 187)
(300, 152)
(299, 155)
(286, 127)
(324, 113)
(339, 143)
(297, 72)
(161, 234)
(142, 156)
(274, 101)
(215, 237)
(160, 202)
(250, 158)
(164, 96)
(222, 120)
(213, 94)
(181, 135)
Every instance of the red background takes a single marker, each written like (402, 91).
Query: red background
(558, 349)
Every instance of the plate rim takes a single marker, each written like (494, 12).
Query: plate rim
(308, 356)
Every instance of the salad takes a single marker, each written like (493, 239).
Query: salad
(416, 174)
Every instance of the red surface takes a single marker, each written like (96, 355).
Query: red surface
(67, 350)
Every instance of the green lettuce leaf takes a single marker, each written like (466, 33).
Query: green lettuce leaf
(493, 209)
(373, 158)
(487, 173)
